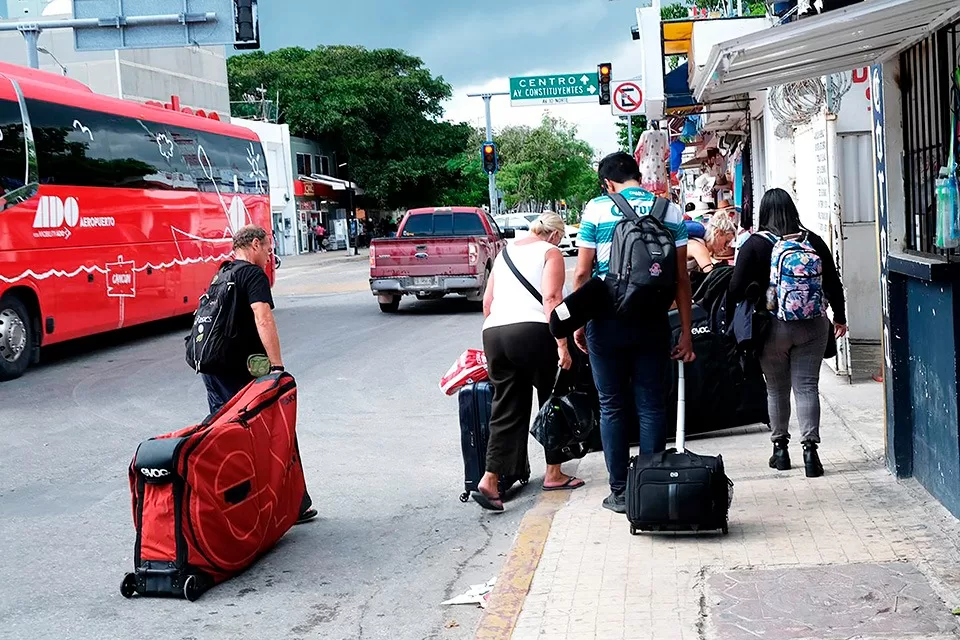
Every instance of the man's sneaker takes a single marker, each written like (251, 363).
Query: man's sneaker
(780, 460)
(616, 502)
(811, 460)
(307, 516)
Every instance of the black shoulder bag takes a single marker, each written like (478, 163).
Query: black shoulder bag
(526, 283)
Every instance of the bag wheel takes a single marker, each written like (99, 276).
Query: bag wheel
(128, 588)
(191, 588)
(633, 530)
(464, 496)
(725, 529)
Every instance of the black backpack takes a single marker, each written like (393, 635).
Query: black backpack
(208, 342)
(642, 277)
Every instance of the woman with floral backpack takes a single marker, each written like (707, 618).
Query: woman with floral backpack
(795, 268)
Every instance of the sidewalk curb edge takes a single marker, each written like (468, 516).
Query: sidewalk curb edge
(513, 582)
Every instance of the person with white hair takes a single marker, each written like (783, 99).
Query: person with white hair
(524, 288)
(717, 244)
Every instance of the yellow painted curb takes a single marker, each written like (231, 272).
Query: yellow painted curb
(513, 583)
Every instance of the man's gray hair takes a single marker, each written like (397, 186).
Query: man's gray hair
(244, 238)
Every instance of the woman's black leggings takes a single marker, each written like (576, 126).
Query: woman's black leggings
(519, 357)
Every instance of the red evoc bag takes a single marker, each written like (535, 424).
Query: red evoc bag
(209, 500)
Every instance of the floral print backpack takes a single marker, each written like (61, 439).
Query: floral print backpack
(796, 278)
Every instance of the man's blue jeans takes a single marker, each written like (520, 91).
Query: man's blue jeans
(631, 367)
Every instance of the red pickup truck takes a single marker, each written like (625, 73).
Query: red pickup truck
(436, 251)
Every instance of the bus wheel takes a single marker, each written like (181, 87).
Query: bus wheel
(16, 337)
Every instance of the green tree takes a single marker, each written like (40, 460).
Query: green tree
(379, 109)
(678, 10)
(623, 136)
(546, 164)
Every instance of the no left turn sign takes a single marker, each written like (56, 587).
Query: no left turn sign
(627, 98)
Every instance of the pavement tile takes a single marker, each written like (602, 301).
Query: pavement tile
(818, 559)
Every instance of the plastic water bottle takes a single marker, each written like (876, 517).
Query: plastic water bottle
(948, 214)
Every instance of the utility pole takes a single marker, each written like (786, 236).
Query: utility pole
(630, 133)
(491, 177)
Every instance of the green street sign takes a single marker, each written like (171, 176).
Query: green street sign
(568, 88)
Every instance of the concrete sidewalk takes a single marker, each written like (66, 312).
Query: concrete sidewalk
(855, 554)
(320, 259)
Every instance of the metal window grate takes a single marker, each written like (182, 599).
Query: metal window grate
(925, 79)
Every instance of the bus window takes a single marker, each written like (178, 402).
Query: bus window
(18, 161)
(13, 160)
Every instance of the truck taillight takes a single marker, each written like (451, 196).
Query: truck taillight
(373, 257)
(473, 253)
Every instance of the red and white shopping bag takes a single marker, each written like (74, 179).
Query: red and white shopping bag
(469, 368)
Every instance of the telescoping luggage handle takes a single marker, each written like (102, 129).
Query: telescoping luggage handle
(681, 409)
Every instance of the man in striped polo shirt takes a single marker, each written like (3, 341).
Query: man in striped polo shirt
(630, 359)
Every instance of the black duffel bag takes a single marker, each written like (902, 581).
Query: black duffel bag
(568, 425)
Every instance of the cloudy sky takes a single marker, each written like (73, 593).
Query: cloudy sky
(477, 46)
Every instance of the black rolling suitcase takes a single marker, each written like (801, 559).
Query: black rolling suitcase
(678, 490)
(476, 401)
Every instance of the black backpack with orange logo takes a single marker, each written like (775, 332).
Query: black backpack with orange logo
(208, 343)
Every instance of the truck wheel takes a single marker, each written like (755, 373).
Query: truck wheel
(391, 307)
(477, 298)
(16, 337)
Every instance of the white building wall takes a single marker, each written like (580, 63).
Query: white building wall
(275, 139)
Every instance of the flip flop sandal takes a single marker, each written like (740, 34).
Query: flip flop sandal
(487, 502)
(566, 486)
(307, 516)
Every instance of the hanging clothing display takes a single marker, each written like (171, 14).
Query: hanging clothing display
(652, 153)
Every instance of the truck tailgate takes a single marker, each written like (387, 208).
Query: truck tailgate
(422, 257)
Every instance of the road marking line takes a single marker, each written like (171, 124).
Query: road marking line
(506, 601)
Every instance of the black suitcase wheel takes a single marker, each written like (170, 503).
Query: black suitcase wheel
(464, 496)
(128, 588)
(725, 529)
(191, 588)
(633, 530)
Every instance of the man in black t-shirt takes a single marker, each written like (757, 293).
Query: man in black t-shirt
(256, 329)
(255, 326)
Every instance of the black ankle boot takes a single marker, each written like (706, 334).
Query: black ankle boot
(780, 460)
(811, 460)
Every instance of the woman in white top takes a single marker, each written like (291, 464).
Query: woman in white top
(521, 353)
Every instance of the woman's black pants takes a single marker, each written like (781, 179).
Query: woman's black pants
(520, 357)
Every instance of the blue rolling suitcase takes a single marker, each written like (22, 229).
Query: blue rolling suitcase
(476, 401)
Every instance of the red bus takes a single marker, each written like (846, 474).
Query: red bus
(112, 213)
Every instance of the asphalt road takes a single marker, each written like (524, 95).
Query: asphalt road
(381, 451)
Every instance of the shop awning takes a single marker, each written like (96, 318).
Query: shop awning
(334, 183)
(677, 90)
(677, 35)
(860, 35)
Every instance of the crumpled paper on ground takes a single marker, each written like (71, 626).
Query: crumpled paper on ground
(477, 594)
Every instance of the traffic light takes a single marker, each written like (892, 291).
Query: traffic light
(604, 72)
(246, 25)
(489, 153)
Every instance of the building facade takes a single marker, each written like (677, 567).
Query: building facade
(197, 75)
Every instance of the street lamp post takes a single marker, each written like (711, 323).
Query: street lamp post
(352, 215)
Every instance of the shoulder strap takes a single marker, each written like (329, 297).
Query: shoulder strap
(624, 205)
(526, 283)
(659, 210)
(769, 236)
